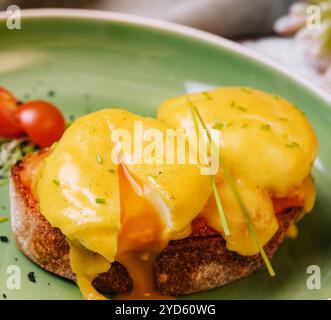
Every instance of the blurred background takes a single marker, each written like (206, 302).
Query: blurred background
(225, 17)
(276, 28)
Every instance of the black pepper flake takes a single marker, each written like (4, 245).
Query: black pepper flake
(4, 296)
(32, 277)
(16, 259)
(4, 239)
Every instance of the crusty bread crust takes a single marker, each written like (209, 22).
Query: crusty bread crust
(197, 263)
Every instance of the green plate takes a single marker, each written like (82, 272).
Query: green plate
(91, 60)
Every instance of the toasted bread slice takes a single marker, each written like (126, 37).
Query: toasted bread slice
(197, 263)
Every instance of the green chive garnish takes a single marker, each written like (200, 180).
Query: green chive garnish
(195, 113)
(99, 158)
(293, 145)
(100, 200)
(250, 224)
(219, 206)
(3, 219)
(265, 127)
(111, 170)
(56, 182)
(241, 108)
(206, 94)
(246, 90)
(218, 126)
(234, 105)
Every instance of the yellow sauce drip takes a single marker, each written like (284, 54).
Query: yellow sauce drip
(141, 240)
(292, 231)
(87, 265)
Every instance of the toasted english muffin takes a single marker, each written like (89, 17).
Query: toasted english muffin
(199, 262)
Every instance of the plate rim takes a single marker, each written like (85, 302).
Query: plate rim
(182, 30)
(178, 29)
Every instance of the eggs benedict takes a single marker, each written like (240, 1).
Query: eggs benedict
(153, 229)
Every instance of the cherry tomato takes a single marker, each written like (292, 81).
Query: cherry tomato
(42, 121)
(9, 125)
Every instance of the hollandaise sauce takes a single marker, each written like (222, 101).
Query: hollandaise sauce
(128, 212)
(268, 146)
(116, 211)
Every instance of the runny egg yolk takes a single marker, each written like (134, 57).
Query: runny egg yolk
(125, 212)
(141, 239)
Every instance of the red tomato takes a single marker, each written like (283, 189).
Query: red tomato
(9, 126)
(42, 121)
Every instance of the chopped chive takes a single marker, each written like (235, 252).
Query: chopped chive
(56, 182)
(99, 158)
(111, 170)
(100, 200)
(234, 105)
(250, 224)
(207, 95)
(276, 97)
(195, 121)
(195, 113)
(265, 127)
(219, 206)
(218, 126)
(3, 219)
(246, 90)
(293, 145)
(241, 108)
